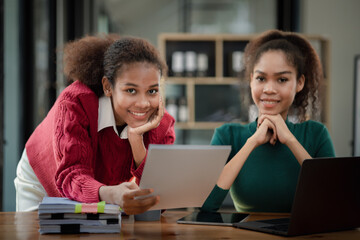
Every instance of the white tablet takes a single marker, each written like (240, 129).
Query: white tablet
(214, 218)
(183, 175)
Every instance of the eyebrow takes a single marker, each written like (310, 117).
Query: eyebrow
(134, 85)
(278, 73)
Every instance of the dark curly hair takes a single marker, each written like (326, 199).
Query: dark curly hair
(129, 50)
(83, 60)
(300, 54)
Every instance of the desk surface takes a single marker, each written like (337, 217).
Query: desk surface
(24, 225)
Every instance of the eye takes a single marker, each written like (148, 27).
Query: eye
(153, 91)
(260, 78)
(131, 90)
(282, 79)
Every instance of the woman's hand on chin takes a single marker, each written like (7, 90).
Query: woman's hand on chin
(153, 122)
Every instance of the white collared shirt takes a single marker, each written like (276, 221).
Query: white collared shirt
(106, 117)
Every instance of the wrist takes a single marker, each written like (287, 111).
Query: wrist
(290, 141)
(138, 149)
(251, 142)
(134, 137)
(105, 194)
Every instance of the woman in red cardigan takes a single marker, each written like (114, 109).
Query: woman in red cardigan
(94, 139)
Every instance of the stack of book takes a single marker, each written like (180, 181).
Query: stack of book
(61, 215)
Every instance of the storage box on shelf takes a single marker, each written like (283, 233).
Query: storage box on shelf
(205, 86)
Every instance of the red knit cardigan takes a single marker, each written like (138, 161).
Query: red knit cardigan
(72, 159)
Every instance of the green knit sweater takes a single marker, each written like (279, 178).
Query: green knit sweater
(267, 181)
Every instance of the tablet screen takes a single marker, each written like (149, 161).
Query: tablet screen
(213, 218)
(184, 184)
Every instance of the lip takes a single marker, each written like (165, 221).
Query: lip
(139, 115)
(269, 103)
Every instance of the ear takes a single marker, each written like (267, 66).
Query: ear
(300, 84)
(107, 87)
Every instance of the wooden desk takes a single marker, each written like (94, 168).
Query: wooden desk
(24, 225)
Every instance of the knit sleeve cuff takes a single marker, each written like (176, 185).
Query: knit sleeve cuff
(214, 200)
(89, 191)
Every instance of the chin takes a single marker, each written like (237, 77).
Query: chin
(137, 124)
(269, 112)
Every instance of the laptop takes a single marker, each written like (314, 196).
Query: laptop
(327, 199)
(182, 175)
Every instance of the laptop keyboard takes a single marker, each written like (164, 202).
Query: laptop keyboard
(277, 221)
(279, 227)
(281, 224)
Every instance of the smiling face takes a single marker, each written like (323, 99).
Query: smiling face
(274, 84)
(135, 94)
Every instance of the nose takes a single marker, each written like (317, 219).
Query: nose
(269, 88)
(142, 102)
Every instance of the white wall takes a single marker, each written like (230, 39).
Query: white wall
(340, 22)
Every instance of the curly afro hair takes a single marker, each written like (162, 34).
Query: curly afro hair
(83, 60)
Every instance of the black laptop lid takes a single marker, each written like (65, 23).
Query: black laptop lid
(327, 197)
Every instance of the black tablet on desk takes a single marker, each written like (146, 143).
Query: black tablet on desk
(213, 218)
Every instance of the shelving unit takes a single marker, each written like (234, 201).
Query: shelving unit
(221, 95)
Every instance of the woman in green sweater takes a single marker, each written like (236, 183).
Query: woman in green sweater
(263, 166)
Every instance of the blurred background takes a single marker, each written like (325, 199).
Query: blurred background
(33, 31)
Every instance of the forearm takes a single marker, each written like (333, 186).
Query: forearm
(138, 149)
(298, 150)
(214, 200)
(233, 167)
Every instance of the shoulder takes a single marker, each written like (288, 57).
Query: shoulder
(311, 126)
(77, 101)
(234, 128)
(78, 95)
(167, 121)
(230, 132)
(310, 129)
(231, 126)
(312, 123)
(316, 138)
(78, 91)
